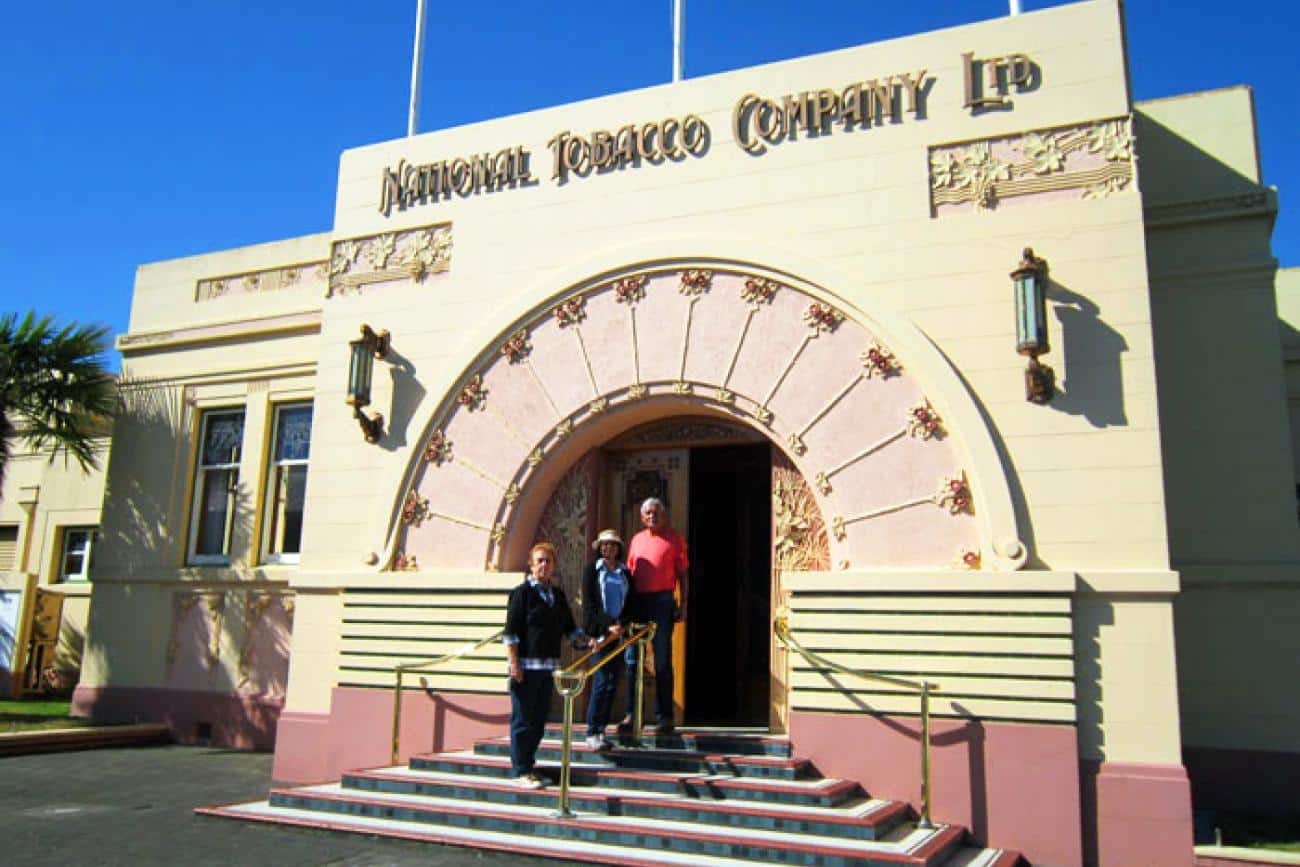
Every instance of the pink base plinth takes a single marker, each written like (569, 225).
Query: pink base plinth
(1137, 814)
(1015, 786)
(245, 722)
(358, 733)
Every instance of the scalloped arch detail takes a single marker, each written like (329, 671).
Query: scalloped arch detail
(903, 467)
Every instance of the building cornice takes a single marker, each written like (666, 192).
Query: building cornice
(306, 321)
(1259, 203)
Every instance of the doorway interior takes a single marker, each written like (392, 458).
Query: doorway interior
(728, 636)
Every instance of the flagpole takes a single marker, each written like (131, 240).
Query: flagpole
(417, 63)
(679, 39)
(1015, 7)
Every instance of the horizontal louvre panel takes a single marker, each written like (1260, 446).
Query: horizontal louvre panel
(493, 599)
(461, 634)
(971, 604)
(951, 686)
(488, 620)
(965, 708)
(947, 622)
(424, 649)
(937, 665)
(980, 644)
(356, 676)
(1002, 657)
(8, 548)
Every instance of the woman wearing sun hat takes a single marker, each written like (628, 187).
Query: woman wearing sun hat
(606, 585)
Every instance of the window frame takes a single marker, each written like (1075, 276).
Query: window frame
(87, 553)
(270, 500)
(193, 557)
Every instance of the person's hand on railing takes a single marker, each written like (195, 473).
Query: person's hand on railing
(615, 631)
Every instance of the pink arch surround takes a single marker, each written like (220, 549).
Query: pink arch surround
(852, 402)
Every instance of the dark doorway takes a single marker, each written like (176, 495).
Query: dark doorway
(728, 616)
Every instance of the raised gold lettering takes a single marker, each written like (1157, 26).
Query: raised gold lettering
(771, 126)
(667, 138)
(793, 108)
(695, 135)
(882, 99)
(602, 150)
(741, 117)
(913, 86)
(556, 144)
(461, 177)
(852, 105)
(625, 145)
(390, 189)
(645, 148)
(823, 108)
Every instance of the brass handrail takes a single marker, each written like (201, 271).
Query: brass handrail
(569, 683)
(924, 687)
(422, 666)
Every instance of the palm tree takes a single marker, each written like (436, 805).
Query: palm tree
(54, 390)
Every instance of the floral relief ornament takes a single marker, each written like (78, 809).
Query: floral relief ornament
(630, 290)
(967, 559)
(954, 495)
(414, 509)
(345, 256)
(438, 451)
(822, 318)
(1112, 140)
(696, 282)
(379, 249)
(571, 312)
(923, 421)
(405, 562)
(974, 168)
(472, 394)
(878, 361)
(757, 290)
(1044, 152)
(517, 346)
(430, 251)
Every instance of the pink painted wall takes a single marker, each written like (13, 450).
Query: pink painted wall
(1015, 786)
(1137, 814)
(240, 721)
(357, 732)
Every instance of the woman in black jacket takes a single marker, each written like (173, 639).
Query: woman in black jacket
(606, 586)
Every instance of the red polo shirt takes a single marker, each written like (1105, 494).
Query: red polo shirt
(656, 561)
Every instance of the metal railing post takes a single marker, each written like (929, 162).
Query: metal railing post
(925, 757)
(924, 687)
(567, 684)
(397, 714)
(638, 712)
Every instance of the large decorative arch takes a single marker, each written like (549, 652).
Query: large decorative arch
(901, 460)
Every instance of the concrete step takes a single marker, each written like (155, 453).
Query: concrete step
(635, 840)
(662, 759)
(863, 819)
(820, 792)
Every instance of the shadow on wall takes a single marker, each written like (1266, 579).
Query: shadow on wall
(408, 393)
(1092, 381)
(131, 629)
(1088, 625)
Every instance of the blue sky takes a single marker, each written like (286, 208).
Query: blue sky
(149, 130)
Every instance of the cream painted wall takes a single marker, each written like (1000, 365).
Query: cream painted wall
(857, 201)
(1228, 450)
(64, 497)
(1288, 314)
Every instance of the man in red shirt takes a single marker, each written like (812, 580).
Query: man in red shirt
(658, 562)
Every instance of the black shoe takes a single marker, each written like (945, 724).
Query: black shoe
(665, 729)
(625, 727)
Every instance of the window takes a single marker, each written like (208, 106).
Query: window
(286, 484)
(8, 547)
(216, 485)
(78, 545)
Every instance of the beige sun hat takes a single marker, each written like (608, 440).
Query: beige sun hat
(607, 536)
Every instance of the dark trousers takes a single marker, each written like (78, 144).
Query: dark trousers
(656, 608)
(529, 702)
(603, 687)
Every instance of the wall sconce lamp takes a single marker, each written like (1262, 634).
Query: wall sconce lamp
(1029, 285)
(365, 350)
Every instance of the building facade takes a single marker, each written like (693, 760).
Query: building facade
(778, 298)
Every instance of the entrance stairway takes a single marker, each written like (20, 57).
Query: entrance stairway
(699, 797)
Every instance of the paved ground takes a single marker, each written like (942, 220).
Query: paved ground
(134, 807)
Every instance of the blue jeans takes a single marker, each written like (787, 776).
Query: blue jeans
(529, 702)
(603, 687)
(656, 608)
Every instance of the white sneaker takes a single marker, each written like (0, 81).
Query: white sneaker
(598, 743)
(529, 781)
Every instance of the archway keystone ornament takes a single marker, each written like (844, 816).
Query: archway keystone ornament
(732, 341)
